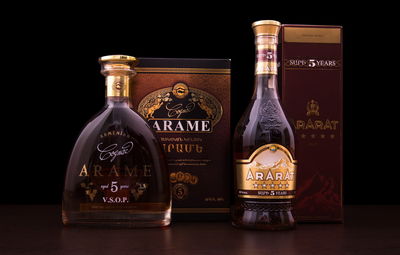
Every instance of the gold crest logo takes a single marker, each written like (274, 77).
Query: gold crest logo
(312, 108)
(180, 90)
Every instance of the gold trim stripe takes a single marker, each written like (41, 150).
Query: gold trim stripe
(200, 210)
(266, 197)
(313, 68)
(182, 70)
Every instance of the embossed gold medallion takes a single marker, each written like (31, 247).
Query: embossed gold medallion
(180, 191)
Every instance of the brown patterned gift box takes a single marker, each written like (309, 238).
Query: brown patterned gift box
(187, 102)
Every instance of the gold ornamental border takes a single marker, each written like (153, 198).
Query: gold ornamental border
(263, 148)
(182, 70)
(154, 94)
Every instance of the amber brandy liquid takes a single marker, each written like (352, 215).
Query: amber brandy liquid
(263, 153)
(117, 174)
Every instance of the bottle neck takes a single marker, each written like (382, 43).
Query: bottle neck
(117, 90)
(266, 69)
(266, 86)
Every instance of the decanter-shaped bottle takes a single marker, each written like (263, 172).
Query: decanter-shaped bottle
(265, 170)
(117, 173)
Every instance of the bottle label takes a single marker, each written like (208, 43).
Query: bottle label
(117, 86)
(118, 175)
(266, 59)
(269, 173)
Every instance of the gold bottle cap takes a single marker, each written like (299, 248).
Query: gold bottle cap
(117, 58)
(118, 64)
(266, 27)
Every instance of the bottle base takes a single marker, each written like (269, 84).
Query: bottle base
(117, 219)
(263, 216)
(267, 227)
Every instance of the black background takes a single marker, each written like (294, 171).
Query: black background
(55, 85)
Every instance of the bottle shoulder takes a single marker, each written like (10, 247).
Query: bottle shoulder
(118, 123)
(263, 122)
(122, 118)
(265, 114)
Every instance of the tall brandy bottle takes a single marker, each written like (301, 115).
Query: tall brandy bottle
(265, 170)
(117, 174)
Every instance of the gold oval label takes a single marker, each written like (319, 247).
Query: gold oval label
(181, 108)
(269, 173)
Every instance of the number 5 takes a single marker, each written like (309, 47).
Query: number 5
(114, 187)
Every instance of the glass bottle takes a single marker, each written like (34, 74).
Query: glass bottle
(265, 170)
(117, 173)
